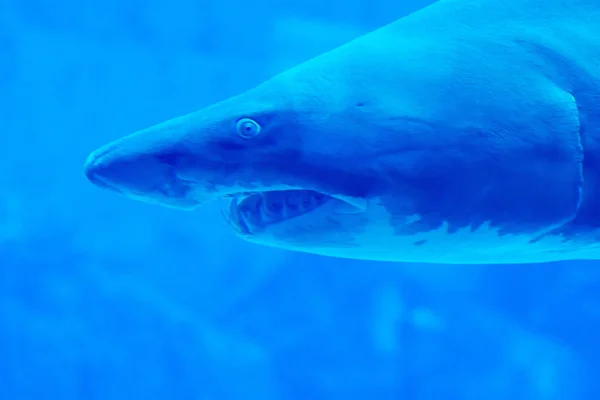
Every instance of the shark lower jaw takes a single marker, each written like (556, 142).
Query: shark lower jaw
(253, 212)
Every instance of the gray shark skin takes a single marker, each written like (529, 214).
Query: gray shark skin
(467, 132)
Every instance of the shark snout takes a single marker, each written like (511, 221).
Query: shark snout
(112, 167)
(143, 176)
(101, 173)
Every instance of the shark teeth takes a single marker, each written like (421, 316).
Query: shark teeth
(251, 211)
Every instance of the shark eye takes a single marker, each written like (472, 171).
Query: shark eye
(247, 128)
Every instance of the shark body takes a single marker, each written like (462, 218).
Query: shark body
(467, 132)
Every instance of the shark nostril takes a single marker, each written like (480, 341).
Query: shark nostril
(170, 158)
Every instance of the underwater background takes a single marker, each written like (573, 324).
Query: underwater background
(102, 297)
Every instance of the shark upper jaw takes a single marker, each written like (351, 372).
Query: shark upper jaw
(142, 178)
(148, 178)
(250, 213)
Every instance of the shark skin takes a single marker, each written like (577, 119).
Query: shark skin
(466, 132)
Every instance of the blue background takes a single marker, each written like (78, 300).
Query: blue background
(102, 297)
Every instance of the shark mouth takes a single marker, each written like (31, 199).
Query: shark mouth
(252, 212)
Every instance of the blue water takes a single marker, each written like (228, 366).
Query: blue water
(102, 297)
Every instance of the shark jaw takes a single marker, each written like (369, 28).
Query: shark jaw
(252, 212)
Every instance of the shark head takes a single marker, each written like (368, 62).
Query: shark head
(272, 157)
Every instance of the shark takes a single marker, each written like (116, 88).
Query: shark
(467, 132)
